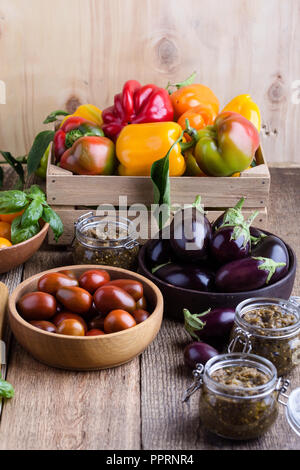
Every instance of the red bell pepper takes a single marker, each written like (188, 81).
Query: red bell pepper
(137, 104)
(72, 129)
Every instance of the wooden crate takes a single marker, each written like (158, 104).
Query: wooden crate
(70, 195)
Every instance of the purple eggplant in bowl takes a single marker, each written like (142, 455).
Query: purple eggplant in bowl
(178, 298)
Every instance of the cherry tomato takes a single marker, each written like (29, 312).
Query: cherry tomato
(134, 288)
(68, 316)
(37, 306)
(118, 320)
(92, 279)
(4, 243)
(51, 282)
(75, 299)
(95, 332)
(69, 273)
(140, 315)
(71, 327)
(5, 230)
(109, 298)
(142, 303)
(97, 323)
(44, 325)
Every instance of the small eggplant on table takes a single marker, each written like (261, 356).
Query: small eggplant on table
(232, 242)
(198, 353)
(186, 275)
(212, 326)
(246, 274)
(190, 233)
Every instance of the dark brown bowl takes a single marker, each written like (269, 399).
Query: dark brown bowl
(177, 298)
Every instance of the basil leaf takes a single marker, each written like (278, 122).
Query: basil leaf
(35, 192)
(6, 389)
(32, 213)
(20, 234)
(16, 165)
(54, 221)
(38, 149)
(12, 201)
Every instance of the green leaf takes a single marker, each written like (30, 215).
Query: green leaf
(32, 213)
(186, 82)
(12, 201)
(6, 389)
(38, 149)
(16, 165)
(35, 192)
(20, 234)
(52, 117)
(54, 221)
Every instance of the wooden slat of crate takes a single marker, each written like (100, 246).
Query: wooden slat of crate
(64, 188)
(69, 215)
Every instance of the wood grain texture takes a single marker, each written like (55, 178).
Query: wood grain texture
(87, 51)
(69, 410)
(166, 422)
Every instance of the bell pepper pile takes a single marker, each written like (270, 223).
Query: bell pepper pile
(144, 123)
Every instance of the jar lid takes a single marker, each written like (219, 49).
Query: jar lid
(293, 410)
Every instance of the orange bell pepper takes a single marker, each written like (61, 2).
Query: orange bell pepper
(200, 116)
(139, 145)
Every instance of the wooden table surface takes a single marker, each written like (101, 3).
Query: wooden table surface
(137, 405)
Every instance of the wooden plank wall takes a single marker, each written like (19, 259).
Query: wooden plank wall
(56, 54)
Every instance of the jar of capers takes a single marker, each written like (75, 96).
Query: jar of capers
(106, 241)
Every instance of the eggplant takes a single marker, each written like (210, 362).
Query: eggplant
(246, 274)
(158, 251)
(198, 353)
(190, 233)
(231, 216)
(232, 242)
(273, 247)
(212, 327)
(228, 244)
(186, 276)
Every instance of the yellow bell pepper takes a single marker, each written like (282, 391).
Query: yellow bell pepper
(244, 105)
(139, 145)
(89, 112)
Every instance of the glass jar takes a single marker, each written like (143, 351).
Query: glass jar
(105, 240)
(242, 412)
(280, 345)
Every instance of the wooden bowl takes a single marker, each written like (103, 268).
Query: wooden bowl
(15, 255)
(177, 298)
(87, 352)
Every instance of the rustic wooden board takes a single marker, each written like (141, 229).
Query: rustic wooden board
(69, 215)
(67, 410)
(167, 423)
(229, 39)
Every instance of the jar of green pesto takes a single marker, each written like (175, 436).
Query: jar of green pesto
(240, 395)
(105, 241)
(269, 328)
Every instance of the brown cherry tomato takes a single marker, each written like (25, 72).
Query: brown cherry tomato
(109, 298)
(134, 288)
(71, 327)
(142, 303)
(118, 320)
(69, 273)
(140, 315)
(37, 306)
(44, 325)
(92, 279)
(97, 322)
(68, 316)
(75, 299)
(51, 282)
(95, 332)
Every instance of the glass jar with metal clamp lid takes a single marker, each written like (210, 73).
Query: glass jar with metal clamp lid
(240, 395)
(269, 328)
(105, 241)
